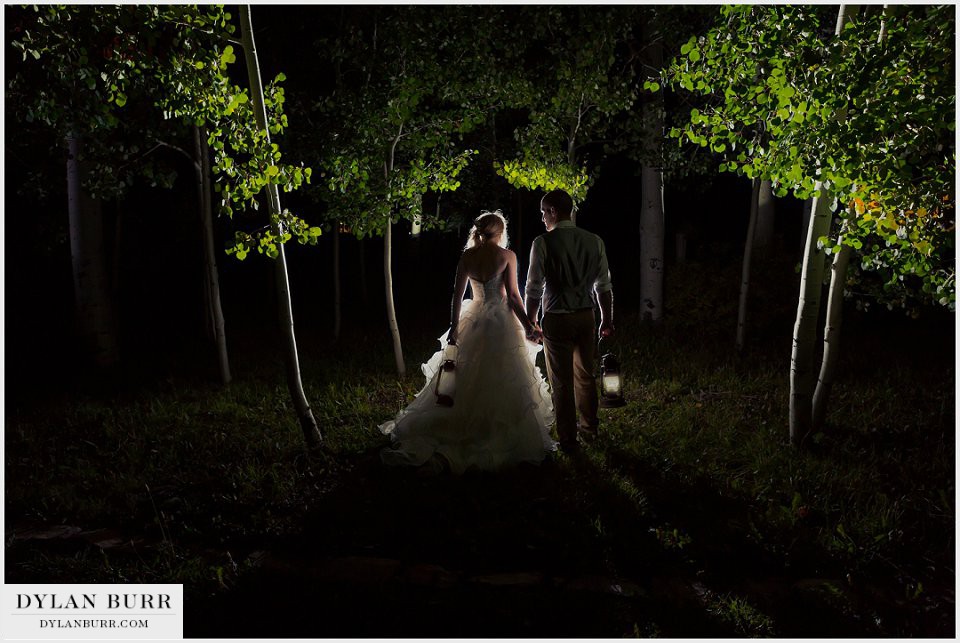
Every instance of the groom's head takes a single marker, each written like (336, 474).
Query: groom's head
(555, 206)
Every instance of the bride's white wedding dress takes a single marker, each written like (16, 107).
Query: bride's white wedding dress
(502, 409)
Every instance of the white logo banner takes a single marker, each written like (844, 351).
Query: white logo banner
(85, 612)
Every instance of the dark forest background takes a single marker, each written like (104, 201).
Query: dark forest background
(154, 252)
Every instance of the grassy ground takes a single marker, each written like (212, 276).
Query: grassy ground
(691, 516)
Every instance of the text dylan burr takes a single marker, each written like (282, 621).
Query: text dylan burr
(94, 601)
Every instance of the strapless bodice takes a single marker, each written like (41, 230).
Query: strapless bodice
(488, 291)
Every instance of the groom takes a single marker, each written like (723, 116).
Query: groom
(566, 265)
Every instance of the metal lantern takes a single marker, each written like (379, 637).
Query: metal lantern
(447, 376)
(611, 382)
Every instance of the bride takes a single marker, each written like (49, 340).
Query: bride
(502, 409)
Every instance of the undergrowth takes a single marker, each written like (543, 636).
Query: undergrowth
(700, 453)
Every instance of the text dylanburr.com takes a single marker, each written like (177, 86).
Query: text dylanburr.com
(68, 611)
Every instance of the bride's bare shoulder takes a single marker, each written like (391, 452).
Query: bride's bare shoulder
(468, 255)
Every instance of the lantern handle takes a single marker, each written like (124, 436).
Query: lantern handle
(600, 343)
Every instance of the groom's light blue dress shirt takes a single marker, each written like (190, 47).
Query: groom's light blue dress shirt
(566, 265)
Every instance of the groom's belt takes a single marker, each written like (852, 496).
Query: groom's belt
(566, 312)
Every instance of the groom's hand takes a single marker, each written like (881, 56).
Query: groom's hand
(606, 329)
(535, 334)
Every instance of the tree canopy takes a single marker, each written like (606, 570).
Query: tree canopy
(580, 76)
(115, 73)
(859, 117)
(410, 91)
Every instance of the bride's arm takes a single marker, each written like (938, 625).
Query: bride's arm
(513, 293)
(459, 287)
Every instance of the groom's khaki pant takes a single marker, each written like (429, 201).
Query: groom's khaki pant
(568, 345)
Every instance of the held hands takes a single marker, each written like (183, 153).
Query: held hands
(535, 334)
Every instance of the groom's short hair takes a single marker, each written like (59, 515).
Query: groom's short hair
(559, 200)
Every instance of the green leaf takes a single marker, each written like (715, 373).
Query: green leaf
(227, 56)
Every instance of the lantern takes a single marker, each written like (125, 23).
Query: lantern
(447, 376)
(611, 383)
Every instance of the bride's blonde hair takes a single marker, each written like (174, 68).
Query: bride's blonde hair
(487, 226)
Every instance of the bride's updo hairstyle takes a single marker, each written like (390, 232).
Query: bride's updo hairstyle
(486, 227)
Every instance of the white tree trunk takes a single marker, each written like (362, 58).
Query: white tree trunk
(388, 271)
(831, 336)
(91, 284)
(651, 245)
(572, 162)
(838, 281)
(291, 356)
(883, 23)
(844, 15)
(745, 272)
(805, 327)
(651, 214)
(388, 292)
(763, 235)
(211, 276)
(802, 388)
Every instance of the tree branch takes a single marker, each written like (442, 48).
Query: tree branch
(219, 36)
(154, 149)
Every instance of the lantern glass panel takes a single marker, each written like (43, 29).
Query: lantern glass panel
(611, 384)
(447, 377)
(447, 385)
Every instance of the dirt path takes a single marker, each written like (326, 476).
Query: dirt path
(555, 551)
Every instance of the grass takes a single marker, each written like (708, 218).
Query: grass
(694, 480)
(746, 620)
